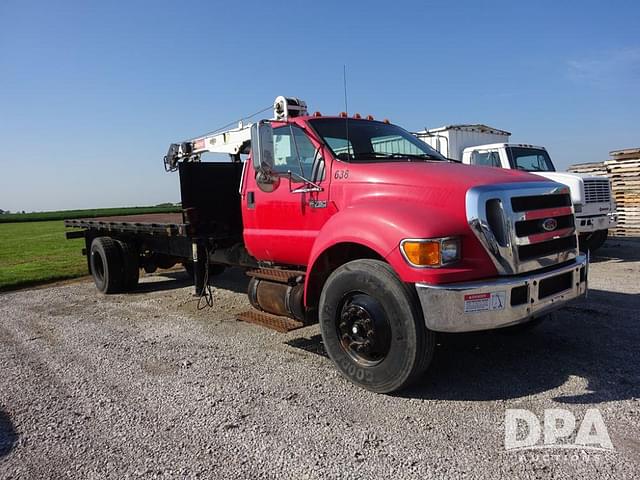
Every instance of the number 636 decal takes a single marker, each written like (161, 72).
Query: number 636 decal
(341, 174)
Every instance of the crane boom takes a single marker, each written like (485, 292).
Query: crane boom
(234, 141)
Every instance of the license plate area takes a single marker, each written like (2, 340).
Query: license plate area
(554, 285)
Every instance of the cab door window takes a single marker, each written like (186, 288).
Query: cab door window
(293, 151)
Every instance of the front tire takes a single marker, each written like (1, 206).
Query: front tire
(373, 328)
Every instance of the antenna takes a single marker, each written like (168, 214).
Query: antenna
(346, 109)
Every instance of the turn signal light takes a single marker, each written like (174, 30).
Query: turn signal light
(430, 252)
(422, 253)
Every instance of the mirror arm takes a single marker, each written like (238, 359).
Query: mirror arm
(308, 187)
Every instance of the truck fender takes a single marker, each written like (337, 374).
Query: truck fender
(378, 227)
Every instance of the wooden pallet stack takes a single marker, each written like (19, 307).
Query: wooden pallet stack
(596, 168)
(624, 172)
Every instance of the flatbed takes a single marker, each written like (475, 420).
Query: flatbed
(204, 237)
(158, 223)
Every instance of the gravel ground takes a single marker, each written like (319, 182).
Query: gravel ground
(147, 385)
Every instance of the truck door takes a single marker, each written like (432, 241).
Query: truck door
(281, 225)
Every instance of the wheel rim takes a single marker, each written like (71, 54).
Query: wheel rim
(363, 329)
(98, 266)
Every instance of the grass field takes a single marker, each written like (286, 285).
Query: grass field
(37, 252)
(34, 250)
(95, 212)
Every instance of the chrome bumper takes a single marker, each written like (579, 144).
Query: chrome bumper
(501, 302)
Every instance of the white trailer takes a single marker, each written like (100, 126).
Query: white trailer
(479, 144)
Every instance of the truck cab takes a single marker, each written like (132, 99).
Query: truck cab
(591, 195)
(366, 210)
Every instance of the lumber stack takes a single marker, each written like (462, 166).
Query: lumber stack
(623, 169)
(597, 168)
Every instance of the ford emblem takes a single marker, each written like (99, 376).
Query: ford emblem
(550, 224)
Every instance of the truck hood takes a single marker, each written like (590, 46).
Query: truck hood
(452, 176)
(427, 186)
(574, 181)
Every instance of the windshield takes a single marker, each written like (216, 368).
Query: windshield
(530, 159)
(371, 141)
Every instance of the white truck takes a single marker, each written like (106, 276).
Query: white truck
(478, 144)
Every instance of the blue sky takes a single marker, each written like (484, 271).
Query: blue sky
(92, 93)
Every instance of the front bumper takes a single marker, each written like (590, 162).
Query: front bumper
(501, 302)
(595, 223)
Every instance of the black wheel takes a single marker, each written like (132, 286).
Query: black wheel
(106, 265)
(131, 265)
(372, 326)
(593, 241)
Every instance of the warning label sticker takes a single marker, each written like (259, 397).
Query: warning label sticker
(483, 302)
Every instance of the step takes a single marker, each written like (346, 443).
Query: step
(274, 322)
(290, 277)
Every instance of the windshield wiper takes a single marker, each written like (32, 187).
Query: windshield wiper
(421, 156)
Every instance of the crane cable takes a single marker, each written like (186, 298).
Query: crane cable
(232, 123)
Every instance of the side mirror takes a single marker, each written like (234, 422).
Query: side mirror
(263, 157)
(262, 147)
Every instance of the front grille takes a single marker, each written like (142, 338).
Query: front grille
(537, 202)
(509, 221)
(597, 191)
(535, 250)
(531, 227)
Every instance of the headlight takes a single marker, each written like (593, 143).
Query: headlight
(577, 207)
(430, 252)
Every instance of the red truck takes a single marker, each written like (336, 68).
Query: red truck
(358, 225)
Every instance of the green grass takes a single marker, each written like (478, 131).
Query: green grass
(38, 252)
(95, 212)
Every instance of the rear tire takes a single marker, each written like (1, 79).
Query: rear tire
(131, 265)
(373, 328)
(106, 264)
